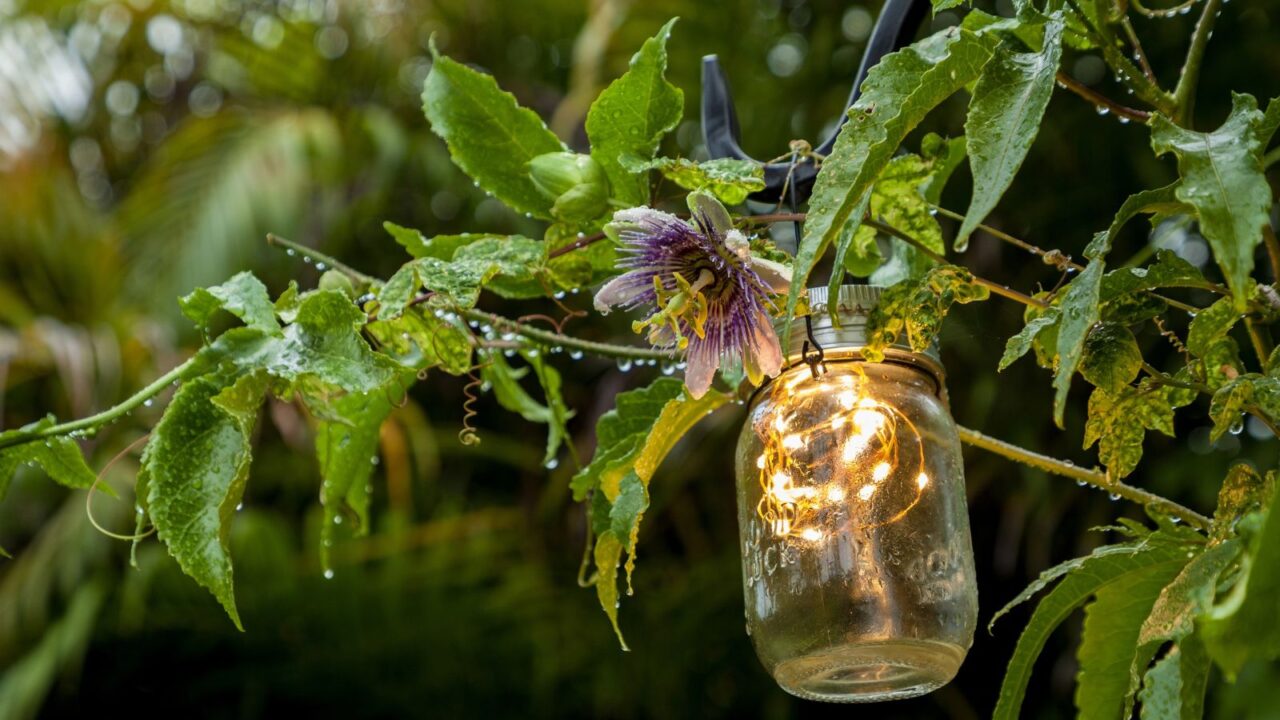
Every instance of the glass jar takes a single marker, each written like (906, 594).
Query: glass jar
(856, 557)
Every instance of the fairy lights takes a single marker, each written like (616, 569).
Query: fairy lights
(829, 445)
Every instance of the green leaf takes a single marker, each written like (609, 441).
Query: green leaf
(425, 339)
(1118, 420)
(197, 463)
(509, 266)
(558, 413)
(60, 457)
(582, 266)
(398, 291)
(631, 441)
(521, 264)
(1085, 578)
(643, 426)
(917, 307)
(1019, 344)
(729, 179)
(489, 135)
(901, 197)
(346, 448)
(1222, 179)
(1108, 645)
(1243, 491)
(1078, 312)
(1181, 601)
(440, 246)
(1245, 393)
(906, 211)
(321, 347)
(855, 250)
(607, 555)
(1167, 270)
(1174, 687)
(243, 296)
(1210, 325)
(1242, 625)
(631, 116)
(1112, 359)
(1004, 117)
(505, 382)
(896, 95)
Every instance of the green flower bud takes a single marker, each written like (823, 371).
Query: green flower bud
(575, 182)
(337, 280)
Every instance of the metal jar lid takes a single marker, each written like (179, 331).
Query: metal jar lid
(854, 305)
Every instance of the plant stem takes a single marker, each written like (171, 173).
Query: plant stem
(1099, 100)
(1184, 95)
(560, 340)
(320, 257)
(1090, 476)
(575, 245)
(1273, 250)
(104, 417)
(994, 287)
(1138, 52)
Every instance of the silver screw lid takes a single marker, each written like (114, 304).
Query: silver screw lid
(854, 304)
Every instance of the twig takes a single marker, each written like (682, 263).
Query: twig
(994, 287)
(1090, 476)
(320, 257)
(1273, 250)
(554, 339)
(1184, 95)
(1100, 100)
(104, 417)
(1139, 54)
(576, 245)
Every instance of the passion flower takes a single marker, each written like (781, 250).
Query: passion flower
(709, 295)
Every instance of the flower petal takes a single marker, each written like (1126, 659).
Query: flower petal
(644, 220)
(701, 370)
(712, 218)
(765, 348)
(619, 291)
(775, 275)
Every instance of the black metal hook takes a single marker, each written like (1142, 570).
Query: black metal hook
(817, 358)
(894, 29)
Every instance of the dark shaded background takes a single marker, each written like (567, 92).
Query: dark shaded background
(147, 147)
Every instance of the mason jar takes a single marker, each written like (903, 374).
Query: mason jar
(857, 562)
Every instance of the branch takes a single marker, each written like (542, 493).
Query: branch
(93, 421)
(576, 245)
(1097, 99)
(1184, 96)
(1089, 476)
(993, 286)
(321, 259)
(554, 339)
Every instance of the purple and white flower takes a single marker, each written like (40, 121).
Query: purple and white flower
(710, 296)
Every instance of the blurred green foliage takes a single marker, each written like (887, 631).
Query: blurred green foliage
(158, 142)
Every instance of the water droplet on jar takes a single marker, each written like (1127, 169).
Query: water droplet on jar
(328, 574)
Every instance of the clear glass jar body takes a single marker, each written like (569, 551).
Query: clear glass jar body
(857, 561)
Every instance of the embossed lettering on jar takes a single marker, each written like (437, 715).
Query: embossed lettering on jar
(857, 561)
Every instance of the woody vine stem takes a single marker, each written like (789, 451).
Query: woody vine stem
(1090, 476)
